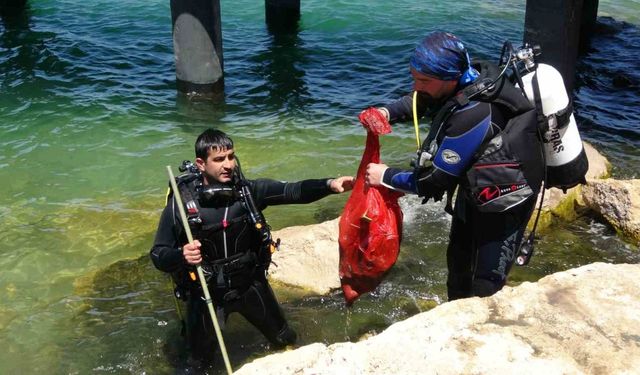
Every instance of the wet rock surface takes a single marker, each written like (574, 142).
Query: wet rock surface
(584, 320)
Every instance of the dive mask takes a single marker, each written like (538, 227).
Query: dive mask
(217, 194)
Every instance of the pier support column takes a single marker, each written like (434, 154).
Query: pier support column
(282, 15)
(16, 4)
(12, 8)
(588, 23)
(555, 26)
(15, 16)
(197, 47)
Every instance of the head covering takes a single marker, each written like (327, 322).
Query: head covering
(444, 56)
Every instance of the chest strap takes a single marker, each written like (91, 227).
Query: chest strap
(223, 224)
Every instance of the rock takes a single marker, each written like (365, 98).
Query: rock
(618, 202)
(585, 320)
(559, 204)
(308, 257)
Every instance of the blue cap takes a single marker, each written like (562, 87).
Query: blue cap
(444, 56)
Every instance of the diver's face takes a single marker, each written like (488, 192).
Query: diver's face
(431, 87)
(219, 165)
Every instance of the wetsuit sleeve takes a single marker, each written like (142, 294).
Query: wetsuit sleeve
(400, 180)
(402, 109)
(166, 253)
(271, 192)
(465, 131)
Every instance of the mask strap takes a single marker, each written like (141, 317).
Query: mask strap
(469, 75)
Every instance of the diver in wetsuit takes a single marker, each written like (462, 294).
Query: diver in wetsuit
(484, 239)
(233, 253)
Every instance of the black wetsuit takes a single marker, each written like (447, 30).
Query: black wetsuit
(229, 242)
(482, 246)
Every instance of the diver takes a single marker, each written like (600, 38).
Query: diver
(485, 140)
(223, 209)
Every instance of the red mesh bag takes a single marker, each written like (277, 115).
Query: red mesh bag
(371, 223)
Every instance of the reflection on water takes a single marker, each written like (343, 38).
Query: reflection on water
(279, 64)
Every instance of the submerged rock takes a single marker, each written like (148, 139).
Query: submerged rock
(618, 202)
(584, 320)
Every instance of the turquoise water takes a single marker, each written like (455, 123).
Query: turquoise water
(89, 117)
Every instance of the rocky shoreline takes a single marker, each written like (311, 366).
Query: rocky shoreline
(584, 320)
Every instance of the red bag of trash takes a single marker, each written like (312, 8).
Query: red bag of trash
(371, 223)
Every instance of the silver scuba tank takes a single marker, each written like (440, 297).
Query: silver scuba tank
(566, 160)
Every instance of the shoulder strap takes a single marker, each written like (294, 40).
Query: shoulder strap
(543, 126)
(192, 209)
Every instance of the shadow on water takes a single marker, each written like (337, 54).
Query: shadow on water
(199, 113)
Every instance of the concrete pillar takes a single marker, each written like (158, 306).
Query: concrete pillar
(282, 15)
(15, 16)
(12, 8)
(555, 26)
(588, 23)
(197, 47)
(4, 4)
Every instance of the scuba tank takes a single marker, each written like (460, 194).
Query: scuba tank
(566, 160)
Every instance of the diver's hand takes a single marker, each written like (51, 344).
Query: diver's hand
(191, 253)
(374, 174)
(375, 120)
(341, 184)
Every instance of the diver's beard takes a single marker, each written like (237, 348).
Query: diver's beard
(432, 104)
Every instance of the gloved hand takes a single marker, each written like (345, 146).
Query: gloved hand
(432, 183)
(374, 121)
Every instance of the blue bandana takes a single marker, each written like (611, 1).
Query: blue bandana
(442, 55)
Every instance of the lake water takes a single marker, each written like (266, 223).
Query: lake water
(89, 118)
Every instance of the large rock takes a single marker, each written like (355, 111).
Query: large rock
(308, 257)
(585, 320)
(618, 202)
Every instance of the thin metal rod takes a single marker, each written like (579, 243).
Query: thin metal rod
(203, 282)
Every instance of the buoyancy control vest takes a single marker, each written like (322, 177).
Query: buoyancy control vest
(232, 249)
(508, 169)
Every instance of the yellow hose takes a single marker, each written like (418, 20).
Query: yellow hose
(415, 117)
